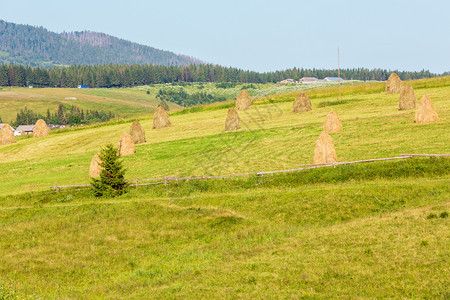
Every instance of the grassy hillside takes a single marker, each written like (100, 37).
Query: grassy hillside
(381, 232)
(355, 231)
(123, 102)
(126, 102)
(272, 137)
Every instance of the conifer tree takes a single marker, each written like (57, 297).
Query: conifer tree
(112, 181)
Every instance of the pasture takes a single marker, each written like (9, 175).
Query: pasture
(356, 231)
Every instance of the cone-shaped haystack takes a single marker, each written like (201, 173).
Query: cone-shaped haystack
(161, 118)
(324, 152)
(232, 121)
(243, 100)
(40, 129)
(407, 98)
(6, 135)
(332, 123)
(137, 132)
(126, 145)
(302, 103)
(95, 169)
(425, 113)
(394, 84)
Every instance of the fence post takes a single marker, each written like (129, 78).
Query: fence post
(137, 182)
(57, 188)
(165, 180)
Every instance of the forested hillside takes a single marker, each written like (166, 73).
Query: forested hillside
(135, 75)
(36, 46)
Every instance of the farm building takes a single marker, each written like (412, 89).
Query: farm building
(335, 79)
(289, 80)
(83, 86)
(308, 80)
(24, 129)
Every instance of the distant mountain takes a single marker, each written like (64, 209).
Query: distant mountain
(36, 46)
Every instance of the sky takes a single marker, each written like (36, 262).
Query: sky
(264, 35)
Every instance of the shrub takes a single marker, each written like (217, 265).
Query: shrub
(432, 216)
(112, 181)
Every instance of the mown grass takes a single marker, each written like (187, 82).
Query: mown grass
(271, 137)
(294, 235)
(125, 103)
(354, 231)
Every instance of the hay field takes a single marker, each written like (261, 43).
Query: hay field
(271, 137)
(356, 231)
(123, 102)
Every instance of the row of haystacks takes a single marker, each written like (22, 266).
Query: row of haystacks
(324, 151)
(425, 112)
(128, 141)
(126, 146)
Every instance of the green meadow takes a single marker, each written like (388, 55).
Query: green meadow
(354, 231)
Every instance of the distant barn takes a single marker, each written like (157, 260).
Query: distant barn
(289, 80)
(309, 80)
(25, 129)
(334, 79)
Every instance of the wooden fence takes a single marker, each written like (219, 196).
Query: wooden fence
(167, 179)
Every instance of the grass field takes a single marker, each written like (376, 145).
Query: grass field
(272, 137)
(356, 231)
(124, 102)
(381, 232)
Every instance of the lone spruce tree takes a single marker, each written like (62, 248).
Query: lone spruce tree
(112, 181)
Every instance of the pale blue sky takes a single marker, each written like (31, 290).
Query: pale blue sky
(263, 35)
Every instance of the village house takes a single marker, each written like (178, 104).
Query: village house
(24, 129)
(289, 80)
(309, 80)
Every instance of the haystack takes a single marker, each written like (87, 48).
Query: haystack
(393, 84)
(302, 103)
(324, 153)
(94, 168)
(243, 100)
(126, 145)
(161, 118)
(232, 121)
(40, 129)
(407, 98)
(137, 132)
(332, 123)
(425, 113)
(6, 135)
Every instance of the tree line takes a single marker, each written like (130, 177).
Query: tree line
(181, 97)
(64, 115)
(107, 76)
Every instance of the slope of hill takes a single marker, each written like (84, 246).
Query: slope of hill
(36, 46)
(357, 231)
(197, 145)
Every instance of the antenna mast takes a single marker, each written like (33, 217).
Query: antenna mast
(339, 78)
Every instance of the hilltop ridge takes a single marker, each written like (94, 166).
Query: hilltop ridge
(37, 46)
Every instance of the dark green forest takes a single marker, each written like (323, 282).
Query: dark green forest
(36, 46)
(106, 76)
